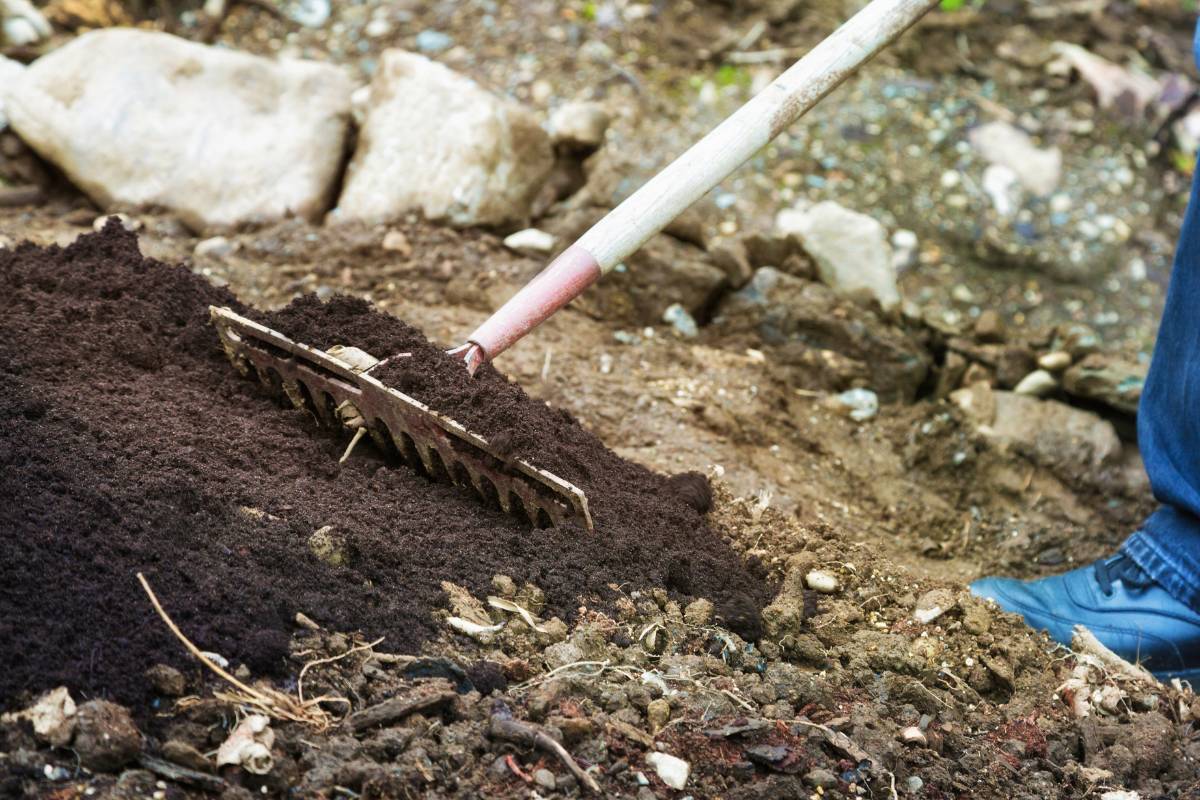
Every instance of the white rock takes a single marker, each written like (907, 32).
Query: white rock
(914, 736)
(1056, 361)
(52, 717)
(215, 247)
(1004, 145)
(684, 323)
(1000, 185)
(904, 249)
(1121, 794)
(434, 141)
(10, 72)
(673, 771)
(851, 249)
(127, 222)
(579, 124)
(933, 604)
(397, 242)
(531, 240)
(858, 404)
(1038, 383)
(310, 13)
(138, 118)
(820, 580)
(22, 24)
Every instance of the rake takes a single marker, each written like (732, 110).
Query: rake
(336, 389)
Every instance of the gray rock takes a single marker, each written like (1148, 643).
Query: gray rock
(545, 779)
(137, 118)
(1115, 383)
(851, 249)
(435, 142)
(1051, 433)
(821, 778)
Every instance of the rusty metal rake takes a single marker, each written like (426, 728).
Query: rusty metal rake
(338, 392)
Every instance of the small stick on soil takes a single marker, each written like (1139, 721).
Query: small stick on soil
(270, 702)
(358, 434)
(205, 660)
(396, 709)
(330, 660)
(546, 364)
(839, 740)
(174, 772)
(528, 735)
(20, 196)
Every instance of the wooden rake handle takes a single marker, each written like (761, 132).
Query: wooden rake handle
(685, 180)
(708, 162)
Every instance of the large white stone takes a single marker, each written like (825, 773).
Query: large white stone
(138, 118)
(851, 249)
(436, 142)
(10, 72)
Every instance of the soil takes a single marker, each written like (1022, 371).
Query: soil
(131, 445)
(128, 443)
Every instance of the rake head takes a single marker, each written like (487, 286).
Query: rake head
(335, 387)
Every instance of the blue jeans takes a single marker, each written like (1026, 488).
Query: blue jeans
(1168, 545)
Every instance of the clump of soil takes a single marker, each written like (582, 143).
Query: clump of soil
(130, 444)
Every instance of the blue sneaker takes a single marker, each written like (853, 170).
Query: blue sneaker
(1119, 603)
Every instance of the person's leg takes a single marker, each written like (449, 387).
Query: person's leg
(1144, 603)
(1168, 546)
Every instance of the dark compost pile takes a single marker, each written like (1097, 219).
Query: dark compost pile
(128, 443)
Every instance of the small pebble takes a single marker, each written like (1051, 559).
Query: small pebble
(530, 240)
(821, 581)
(431, 41)
(678, 318)
(215, 247)
(1056, 361)
(127, 222)
(1038, 383)
(658, 713)
(397, 242)
(545, 779)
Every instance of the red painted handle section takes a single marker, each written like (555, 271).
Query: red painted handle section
(559, 283)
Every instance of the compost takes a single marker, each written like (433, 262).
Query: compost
(128, 443)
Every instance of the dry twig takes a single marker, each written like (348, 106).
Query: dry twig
(529, 735)
(273, 703)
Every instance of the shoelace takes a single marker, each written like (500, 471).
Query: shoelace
(1121, 568)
